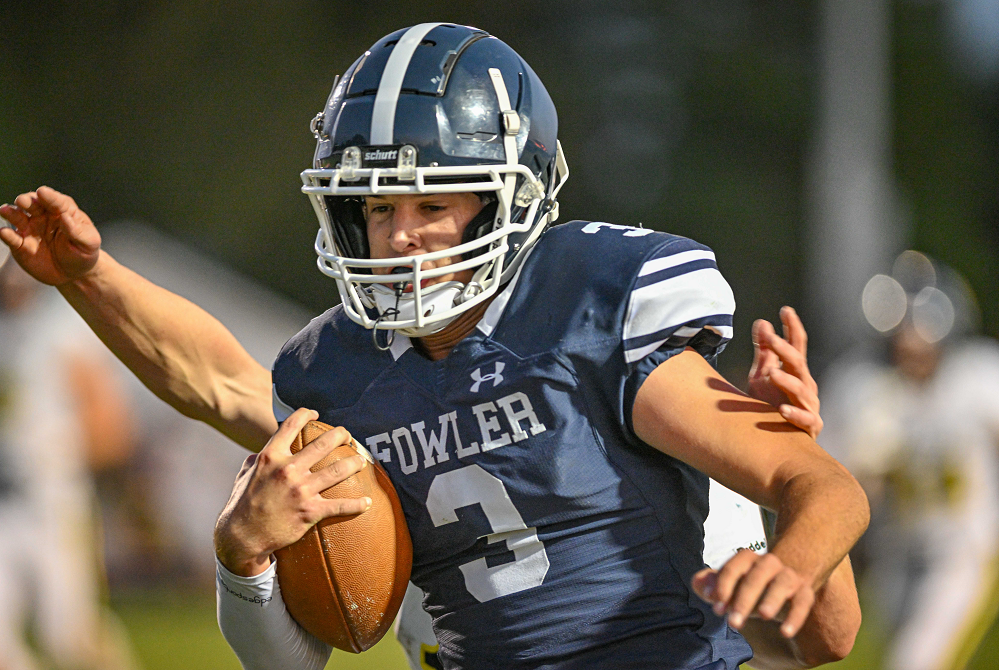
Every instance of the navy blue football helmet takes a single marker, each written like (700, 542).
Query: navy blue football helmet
(435, 108)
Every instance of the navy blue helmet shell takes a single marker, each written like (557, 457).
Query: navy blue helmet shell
(446, 106)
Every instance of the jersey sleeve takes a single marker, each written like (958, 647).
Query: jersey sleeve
(679, 299)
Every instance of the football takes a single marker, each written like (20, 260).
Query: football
(345, 579)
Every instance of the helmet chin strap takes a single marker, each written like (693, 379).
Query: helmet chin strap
(402, 306)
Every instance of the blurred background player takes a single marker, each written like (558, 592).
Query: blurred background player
(919, 427)
(134, 490)
(59, 390)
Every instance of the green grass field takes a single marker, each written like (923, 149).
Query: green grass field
(170, 631)
(178, 630)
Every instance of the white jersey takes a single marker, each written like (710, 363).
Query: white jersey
(51, 567)
(36, 405)
(928, 456)
(935, 445)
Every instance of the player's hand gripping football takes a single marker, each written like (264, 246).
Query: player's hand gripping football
(780, 375)
(276, 498)
(49, 236)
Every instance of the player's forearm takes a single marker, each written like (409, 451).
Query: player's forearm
(179, 351)
(828, 634)
(821, 513)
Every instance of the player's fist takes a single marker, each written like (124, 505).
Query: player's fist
(758, 586)
(276, 498)
(49, 236)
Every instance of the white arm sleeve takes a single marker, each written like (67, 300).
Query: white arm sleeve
(256, 624)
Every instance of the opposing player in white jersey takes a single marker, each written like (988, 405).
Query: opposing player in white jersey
(921, 432)
(58, 387)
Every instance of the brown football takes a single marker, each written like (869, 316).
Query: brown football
(345, 579)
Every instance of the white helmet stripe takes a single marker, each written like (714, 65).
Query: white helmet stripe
(383, 114)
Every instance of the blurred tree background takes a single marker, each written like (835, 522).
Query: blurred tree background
(691, 116)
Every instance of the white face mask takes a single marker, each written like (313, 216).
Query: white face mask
(434, 300)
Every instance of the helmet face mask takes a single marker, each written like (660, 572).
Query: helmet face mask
(435, 108)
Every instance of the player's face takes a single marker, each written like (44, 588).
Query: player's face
(915, 357)
(400, 226)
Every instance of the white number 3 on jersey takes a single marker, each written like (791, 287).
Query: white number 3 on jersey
(470, 485)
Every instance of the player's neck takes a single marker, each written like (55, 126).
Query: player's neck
(437, 346)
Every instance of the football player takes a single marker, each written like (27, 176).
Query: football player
(554, 383)
(920, 429)
(61, 388)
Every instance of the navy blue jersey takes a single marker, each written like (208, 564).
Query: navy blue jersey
(545, 533)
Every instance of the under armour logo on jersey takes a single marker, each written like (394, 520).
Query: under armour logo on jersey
(495, 377)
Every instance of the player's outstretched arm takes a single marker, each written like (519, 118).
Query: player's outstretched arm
(179, 351)
(688, 411)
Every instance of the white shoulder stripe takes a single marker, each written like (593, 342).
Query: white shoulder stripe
(677, 300)
(657, 264)
(281, 410)
(686, 331)
(383, 113)
(632, 355)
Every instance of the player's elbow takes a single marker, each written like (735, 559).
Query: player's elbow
(836, 643)
(863, 504)
(838, 653)
(836, 650)
(238, 407)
